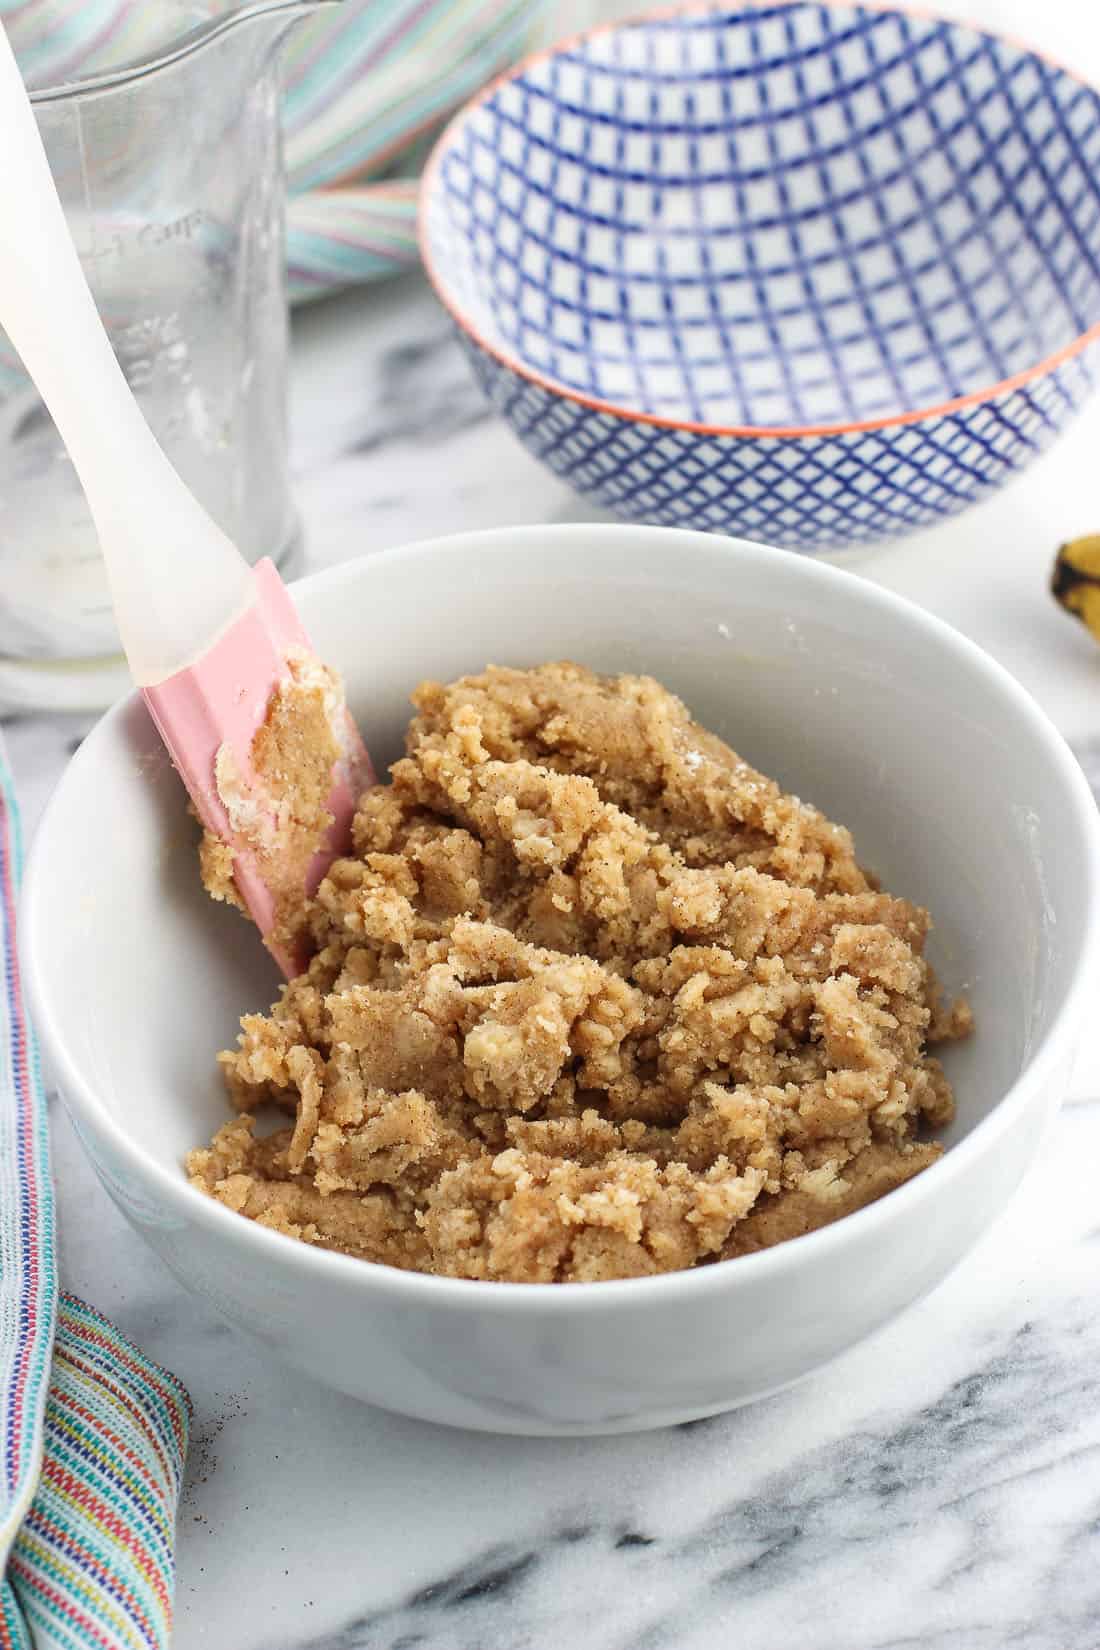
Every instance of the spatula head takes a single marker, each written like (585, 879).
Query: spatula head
(273, 762)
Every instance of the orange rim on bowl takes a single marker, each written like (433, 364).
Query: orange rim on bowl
(523, 369)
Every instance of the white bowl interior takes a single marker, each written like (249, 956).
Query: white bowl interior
(956, 792)
(790, 215)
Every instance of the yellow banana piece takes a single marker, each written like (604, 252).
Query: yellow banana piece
(1075, 581)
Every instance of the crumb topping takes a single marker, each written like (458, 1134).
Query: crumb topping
(591, 999)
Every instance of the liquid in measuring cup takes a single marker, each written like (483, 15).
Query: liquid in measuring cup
(170, 172)
(217, 413)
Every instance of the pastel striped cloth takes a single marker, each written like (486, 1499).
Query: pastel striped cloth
(368, 84)
(93, 1435)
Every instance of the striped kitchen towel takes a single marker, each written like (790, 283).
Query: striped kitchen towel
(93, 1435)
(368, 84)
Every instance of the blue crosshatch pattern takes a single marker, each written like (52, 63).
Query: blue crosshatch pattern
(778, 216)
(811, 493)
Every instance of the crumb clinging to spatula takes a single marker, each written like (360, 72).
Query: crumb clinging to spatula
(280, 811)
(261, 734)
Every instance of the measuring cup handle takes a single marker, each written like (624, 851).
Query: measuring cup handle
(176, 580)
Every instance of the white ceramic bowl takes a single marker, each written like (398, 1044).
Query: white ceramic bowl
(960, 792)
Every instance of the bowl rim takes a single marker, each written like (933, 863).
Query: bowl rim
(303, 1261)
(505, 357)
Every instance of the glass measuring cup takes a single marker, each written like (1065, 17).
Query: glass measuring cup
(167, 154)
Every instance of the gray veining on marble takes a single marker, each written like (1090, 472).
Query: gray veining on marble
(900, 1527)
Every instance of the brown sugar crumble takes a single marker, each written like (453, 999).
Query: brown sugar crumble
(592, 999)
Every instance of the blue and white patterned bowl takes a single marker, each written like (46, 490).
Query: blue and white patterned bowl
(810, 273)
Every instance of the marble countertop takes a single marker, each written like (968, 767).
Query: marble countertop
(939, 1486)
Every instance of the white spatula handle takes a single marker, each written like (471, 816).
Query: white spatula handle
(176, 580)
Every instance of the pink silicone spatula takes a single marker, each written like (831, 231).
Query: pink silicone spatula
(206, 636)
